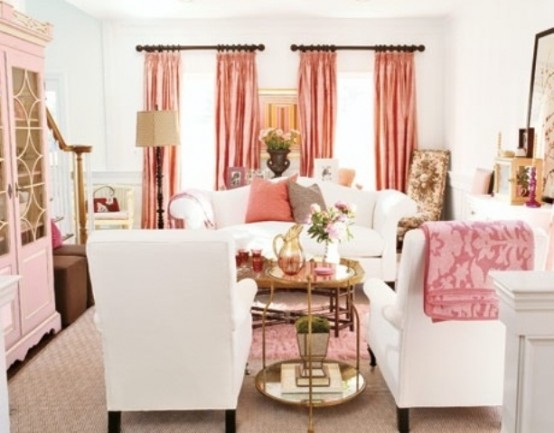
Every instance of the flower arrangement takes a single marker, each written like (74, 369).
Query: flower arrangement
(331, 225)
(276, 139)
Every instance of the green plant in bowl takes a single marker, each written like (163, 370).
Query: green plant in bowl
(320, 325)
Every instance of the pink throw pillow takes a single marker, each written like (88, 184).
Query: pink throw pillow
(269, 201)
(57, 239)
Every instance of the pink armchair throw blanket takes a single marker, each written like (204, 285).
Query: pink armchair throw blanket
(459, 255)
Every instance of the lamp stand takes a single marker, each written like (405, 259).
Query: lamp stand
(160, 195)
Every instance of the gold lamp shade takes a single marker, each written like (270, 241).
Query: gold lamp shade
(157, 128)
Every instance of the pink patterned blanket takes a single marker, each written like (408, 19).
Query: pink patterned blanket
(459, 255)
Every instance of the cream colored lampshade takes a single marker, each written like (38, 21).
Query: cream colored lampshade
(157, 128)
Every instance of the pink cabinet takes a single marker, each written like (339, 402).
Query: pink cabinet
(25, 245)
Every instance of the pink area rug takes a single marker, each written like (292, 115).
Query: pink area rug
(281, 342)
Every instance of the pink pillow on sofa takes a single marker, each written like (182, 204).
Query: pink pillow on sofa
(269, 201)
(57, 239)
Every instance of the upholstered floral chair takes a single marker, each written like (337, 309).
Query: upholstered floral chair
(426, 185)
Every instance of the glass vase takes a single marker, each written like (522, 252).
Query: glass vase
(331, 252)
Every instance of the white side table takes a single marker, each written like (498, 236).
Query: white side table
(527, 310)
(7, 293)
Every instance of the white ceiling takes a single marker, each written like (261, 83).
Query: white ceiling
(130, 9)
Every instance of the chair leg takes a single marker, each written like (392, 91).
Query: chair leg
(372, 359)
(114, 421)
(230, 421)
(403, 419)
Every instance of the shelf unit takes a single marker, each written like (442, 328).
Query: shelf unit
(25, 238)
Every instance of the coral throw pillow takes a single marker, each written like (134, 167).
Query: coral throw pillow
(103, 204)
(57, 239)
(269, 201)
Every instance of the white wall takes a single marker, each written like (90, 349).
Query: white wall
(103, 71)
(75, 59)
(489, 58)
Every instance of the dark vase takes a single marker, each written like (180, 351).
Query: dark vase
(278, 161)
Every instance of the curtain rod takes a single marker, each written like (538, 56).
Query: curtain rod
(409, 48)
(220, 47)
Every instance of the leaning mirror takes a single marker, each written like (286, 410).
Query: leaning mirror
(541, 107)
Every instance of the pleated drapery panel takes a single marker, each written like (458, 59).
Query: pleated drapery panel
(237, 113)
(395, 118)
(317, 98)
(162, 71)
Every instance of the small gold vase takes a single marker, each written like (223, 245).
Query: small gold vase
(290, 256)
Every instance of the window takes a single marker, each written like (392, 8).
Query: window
(354, 141)
(198, 131)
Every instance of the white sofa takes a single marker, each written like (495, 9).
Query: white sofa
(374, 230)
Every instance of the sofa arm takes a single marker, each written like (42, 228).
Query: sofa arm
(391, 206)
(383, 302)
(244, 292)
(191, 209)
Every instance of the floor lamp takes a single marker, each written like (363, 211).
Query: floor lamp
(156, 129)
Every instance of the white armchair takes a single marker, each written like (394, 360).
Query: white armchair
(175, 325)
(426, 364)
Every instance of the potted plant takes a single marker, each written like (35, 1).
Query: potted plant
(278, 145)
(319, 343)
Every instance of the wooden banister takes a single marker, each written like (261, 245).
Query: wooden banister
(79, 185)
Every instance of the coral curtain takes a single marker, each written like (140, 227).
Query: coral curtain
(395, 118)
(317, 98)
(161, 91)
(237, 114)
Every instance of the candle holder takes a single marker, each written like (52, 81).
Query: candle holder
(532, 202)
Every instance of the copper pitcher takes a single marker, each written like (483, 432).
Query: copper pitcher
(290, 256)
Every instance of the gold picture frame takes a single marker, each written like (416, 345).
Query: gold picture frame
(279, 109)
(511, 179)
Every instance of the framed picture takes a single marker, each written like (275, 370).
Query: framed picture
(541, 107)
(236, 177)
(527, 141)
(326, 170)
(279, 109)
(482, 181)
(512, 179)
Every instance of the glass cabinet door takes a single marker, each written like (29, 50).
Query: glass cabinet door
(4, 197)
(30, 184)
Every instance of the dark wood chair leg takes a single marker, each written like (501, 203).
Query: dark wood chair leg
(230, 421)
(403, 419)
(114, 421)
(372, 359)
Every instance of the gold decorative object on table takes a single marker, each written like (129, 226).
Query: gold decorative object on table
(290, 257)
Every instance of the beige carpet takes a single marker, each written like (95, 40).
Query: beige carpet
(61, 390)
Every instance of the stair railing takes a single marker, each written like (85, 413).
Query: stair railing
(79, 185)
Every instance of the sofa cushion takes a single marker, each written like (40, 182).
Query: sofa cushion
(364, 201)
(301, 199)
(57, 238)
(268, 201)
(229, 206)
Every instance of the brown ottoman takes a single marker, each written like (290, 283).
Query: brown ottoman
(77, 250)
(70, 286)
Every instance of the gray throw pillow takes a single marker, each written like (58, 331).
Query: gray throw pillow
(301, 198)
